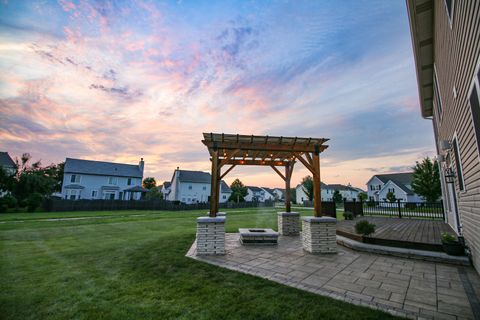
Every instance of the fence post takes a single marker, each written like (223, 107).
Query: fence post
(399, 209)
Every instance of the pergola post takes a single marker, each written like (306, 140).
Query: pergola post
(288, 203)
(214, 192)
(317, 192)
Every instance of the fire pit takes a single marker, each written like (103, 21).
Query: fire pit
(256, 236)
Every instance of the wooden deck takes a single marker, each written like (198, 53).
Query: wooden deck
(418, 234)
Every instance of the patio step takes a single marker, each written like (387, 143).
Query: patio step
(433, 256)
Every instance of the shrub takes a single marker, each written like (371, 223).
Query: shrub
(348, 215)
(33, 201)
(3, 208)
(448, 238)
(8, 200)
(364, 227)
(370, 203)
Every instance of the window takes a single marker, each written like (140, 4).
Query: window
(109, 195)
(437, 94)
(75, 178)
(189, 187)
(458, 165)
(94, 193)
(204, 187)
(449, 6)
(474, 99)
(112, 180)
(129, 181)
(371, 187)
(224, 197)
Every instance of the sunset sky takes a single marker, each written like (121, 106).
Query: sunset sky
(116, 81)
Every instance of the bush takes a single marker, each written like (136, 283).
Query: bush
(448, 238)
(9, 200)
(410, 205)
(364, 227)
(3, 208)
(371, 203)
(33, 201)
(348, 215)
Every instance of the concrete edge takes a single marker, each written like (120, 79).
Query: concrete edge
(319, 219)
(431, 256)
(211, 219)
(288, 214)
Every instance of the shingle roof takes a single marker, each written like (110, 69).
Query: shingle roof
(6, 160)
(194, 176)
(404, 177)
(341, 187)
(224, 188)
(102, 168)
(255, 189)
(269, 190)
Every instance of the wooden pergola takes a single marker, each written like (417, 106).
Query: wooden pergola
(276, 152)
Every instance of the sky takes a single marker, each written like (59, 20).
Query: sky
(120, 80)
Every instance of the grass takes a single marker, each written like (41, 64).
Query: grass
(132, 265)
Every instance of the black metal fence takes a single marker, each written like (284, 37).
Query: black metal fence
(397, 209)
(113, 205)
(329, 208)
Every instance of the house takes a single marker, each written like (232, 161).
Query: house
(279, 194)
(165, 189)
(257, 194)
(347, 192)
(446, 47)
(88, 179)
(301, 195)
(269, 193)
(7, 164)
(194, 187)
(400, 184)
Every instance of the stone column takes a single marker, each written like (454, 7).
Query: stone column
(211, 235)
(288, 223)
(319, 234)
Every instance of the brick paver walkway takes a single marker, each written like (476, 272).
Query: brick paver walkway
(404, 287)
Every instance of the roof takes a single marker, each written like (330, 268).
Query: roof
(242, 149)
(421, 18)
(224, 188)
(6, 160)
(193, 176)
(342, 187)
(167, 184)
(403, 177)
(102, 168)
(403, 187)
(255, 189)
(269, 190)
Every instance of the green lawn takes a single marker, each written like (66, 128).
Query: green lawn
(131, 265)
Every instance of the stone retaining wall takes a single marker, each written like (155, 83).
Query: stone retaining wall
(319, 234)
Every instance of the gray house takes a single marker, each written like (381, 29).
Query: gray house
(87, 179)
(446, 48)
(7, 163)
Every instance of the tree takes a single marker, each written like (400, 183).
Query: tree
(149, 183)
(426, 180)
(362, 196)
(307, 186)
(239, 191)
(154, 194)
(337, 197)
(391, 197)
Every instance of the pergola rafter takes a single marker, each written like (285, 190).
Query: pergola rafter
(273, 151)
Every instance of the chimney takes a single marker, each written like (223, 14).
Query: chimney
(141, 165)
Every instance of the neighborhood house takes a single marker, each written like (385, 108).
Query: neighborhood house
(347, 192)
(400, 184)
(193, 187)
(88, 179)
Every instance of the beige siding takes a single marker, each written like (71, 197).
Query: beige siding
(457, 52)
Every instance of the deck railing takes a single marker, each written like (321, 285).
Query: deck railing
(397, 209)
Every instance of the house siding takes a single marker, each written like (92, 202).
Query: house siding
(457, 52)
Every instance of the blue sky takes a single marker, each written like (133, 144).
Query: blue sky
(117, 81)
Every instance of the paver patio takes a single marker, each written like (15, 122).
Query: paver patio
(404, 287)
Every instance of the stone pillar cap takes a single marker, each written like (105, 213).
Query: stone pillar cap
(323, 219)
(286, 214)
(210, 219)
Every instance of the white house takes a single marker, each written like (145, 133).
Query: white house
(88, 179)
(325, 191)
(166, 189)
(7, 164)
(279, 194)
(194, 187)
(258, 194)
(346, 191)
(398, 183)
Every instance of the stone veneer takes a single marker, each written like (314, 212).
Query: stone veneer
(211, 235)
(288, 223)
(319, 234)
